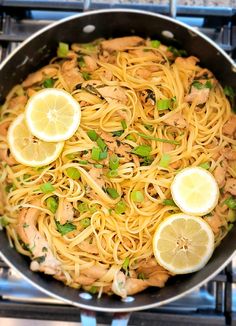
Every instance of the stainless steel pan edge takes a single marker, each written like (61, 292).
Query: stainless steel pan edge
(151, 298)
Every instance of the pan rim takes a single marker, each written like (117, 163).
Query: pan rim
(123, 309)
(87, 305)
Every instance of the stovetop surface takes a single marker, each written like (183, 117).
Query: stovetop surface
(212, 304)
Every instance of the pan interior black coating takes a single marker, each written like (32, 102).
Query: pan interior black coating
(37, 52)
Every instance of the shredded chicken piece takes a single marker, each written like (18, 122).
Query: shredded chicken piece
(215, 221)
(230, 186)
(6, 156)
(134, 285)
(121, 43)
(37, 244)
(166, 147)
(229, 127)
(30, 92)
(186, 63)
(113, 93)
(143, 73)
(18, 102)
(70, 73)
(90, 63)
(85, 280)
(176, 120)
(119, 285)
(4, 128)
(229, 154)
(220, 174)
(158, 278)
(65, 211)
(95, 272)
(88, 247)
(38, 76)
(200, 96)
(96, 174)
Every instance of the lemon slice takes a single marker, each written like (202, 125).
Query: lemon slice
(195, 191)
(29, 150)
(183, 243)
(52, 115)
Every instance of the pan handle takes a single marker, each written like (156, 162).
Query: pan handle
(88, 318)
(173, 8)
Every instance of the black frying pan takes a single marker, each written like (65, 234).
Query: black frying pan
(34, 53)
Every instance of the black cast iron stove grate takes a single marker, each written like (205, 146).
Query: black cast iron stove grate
(212, 304)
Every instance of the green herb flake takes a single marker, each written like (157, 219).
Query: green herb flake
(112, 193)
(149, 127)
(83, 162)
(73, 173)
(25, 225)
(117, 133)
(141, 276)
(165, 160)
(93, 290)
(85, 222)
(48, 83)
(142, 150)
(47, 187)
(62, 50)
(81, 61)
(131, 137)
(65, 228)
(3, 221)
(86, 75)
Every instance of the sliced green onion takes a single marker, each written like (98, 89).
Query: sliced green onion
(82, 207)
(71, 156)
(131, 137)
(112, 173)
(142, 150)
(163, 104)
(94, 208)
(137, 196)
(83, 162)
(208, 84)
(165, 160)
(155, 44)
(125, 265)
(147, 161)
(62, 50)
(177, 52)
(112, 193)
(86, 75)
(168, 202)
(65, 228)
(200, 85)
(123, 124)
(26, 177)
(47, 187)
(98, 166)
(120, 207)
(73, 173)
(96, 153)
(117, 133)
(85, 222)
(205, 165)
(52, 204)
(81, 61)
(10, 187)
(169, 141)
(231, 215)
(3, 221)
(92, 135)
(114, 162)
(101, 144)
(230, 202)
(48, 83)
(93, 289)
(103, 155)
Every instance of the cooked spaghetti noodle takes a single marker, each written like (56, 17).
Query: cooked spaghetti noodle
(155, 113)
